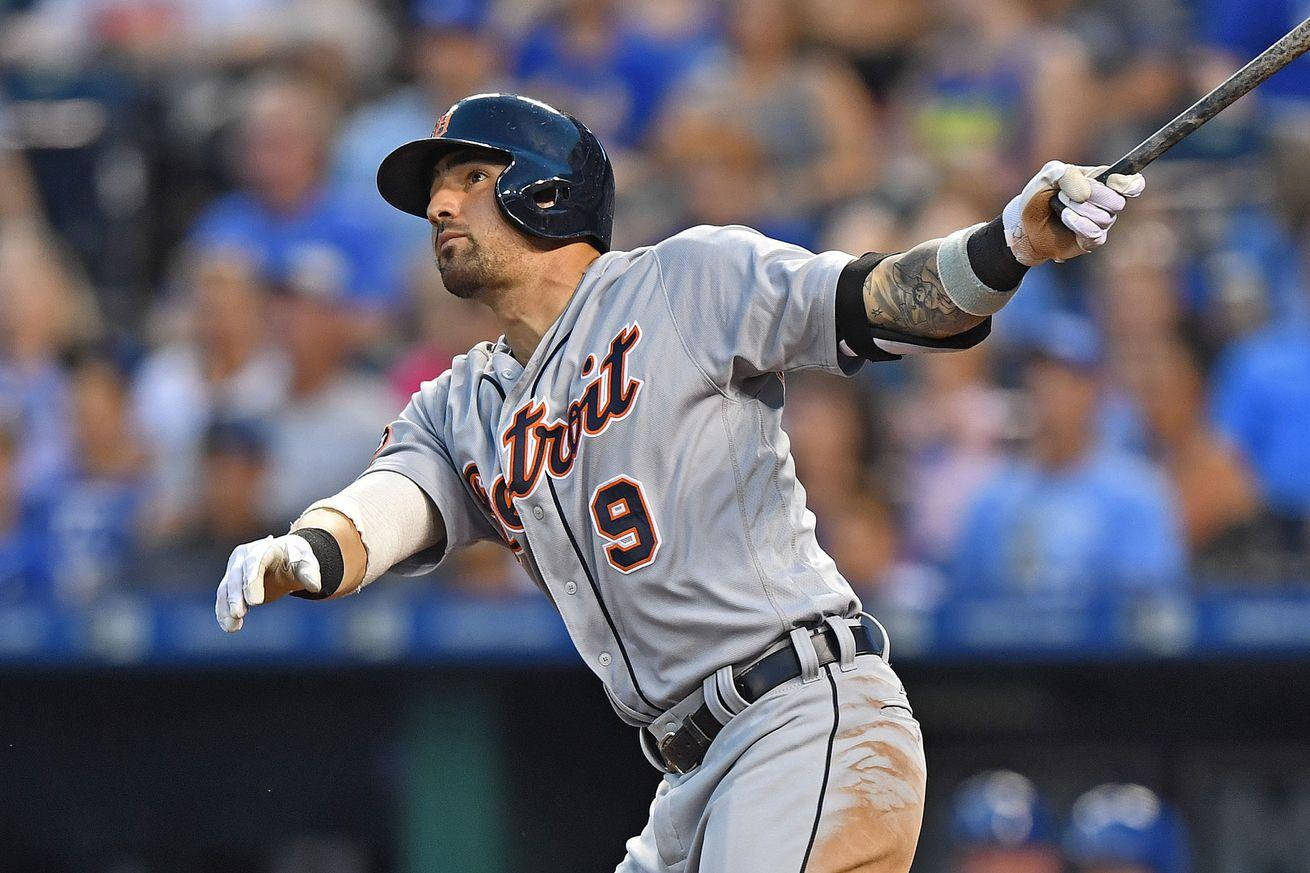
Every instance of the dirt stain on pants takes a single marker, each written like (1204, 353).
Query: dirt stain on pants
(874, 804)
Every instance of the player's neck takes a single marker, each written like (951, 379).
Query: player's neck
(527, 309)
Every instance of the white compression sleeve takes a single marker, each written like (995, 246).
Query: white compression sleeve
(394, 518)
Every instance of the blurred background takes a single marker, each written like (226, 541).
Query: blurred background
(1088, 537)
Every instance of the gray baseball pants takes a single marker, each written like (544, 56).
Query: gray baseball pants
(824, 773)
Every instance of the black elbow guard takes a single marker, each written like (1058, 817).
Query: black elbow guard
(882, 343)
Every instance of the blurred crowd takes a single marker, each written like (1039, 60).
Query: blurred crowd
(1001, 823)
(207, 313)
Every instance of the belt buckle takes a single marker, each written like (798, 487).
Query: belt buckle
(684, 749)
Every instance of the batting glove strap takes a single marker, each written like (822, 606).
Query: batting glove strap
(332, 567)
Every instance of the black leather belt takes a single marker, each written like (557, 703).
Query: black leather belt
(684, 749)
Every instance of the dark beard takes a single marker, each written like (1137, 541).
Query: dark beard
(467, 275)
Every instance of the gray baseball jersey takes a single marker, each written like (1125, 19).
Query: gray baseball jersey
(636, 464)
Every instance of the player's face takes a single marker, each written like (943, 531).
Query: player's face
(474, 245)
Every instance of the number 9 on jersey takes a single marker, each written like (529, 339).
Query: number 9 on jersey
(621, 516)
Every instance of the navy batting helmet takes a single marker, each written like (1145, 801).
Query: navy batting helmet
(559, 183)
(1003, 809)
(1117, 825)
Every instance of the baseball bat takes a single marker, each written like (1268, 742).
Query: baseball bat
(1294, 44)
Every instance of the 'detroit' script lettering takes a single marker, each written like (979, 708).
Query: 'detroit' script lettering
(535, 442)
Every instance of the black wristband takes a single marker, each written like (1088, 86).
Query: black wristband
(331, 566)
(992, 260)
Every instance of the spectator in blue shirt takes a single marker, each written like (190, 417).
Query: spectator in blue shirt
(45, 306)
(286, 213)
(21, 538)
(93, 517)
(1261, 401)
(589, 61)
(1069, 519)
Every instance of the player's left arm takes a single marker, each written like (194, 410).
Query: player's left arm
(945, 287)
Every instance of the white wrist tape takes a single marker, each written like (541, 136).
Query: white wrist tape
(393, 516)
(959, 281)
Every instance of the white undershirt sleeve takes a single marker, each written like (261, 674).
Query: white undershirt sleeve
(394, 518)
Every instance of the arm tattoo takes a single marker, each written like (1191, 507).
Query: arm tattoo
(905, 293)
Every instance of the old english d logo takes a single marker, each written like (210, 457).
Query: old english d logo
(442, 123)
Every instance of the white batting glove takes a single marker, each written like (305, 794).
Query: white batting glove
(261, 572)
(1034, 231)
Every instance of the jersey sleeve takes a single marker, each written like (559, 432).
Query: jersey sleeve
(417, 446)
(745, 304)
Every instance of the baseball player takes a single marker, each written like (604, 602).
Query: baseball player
(623, 440)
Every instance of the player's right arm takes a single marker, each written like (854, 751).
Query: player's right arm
(335, 548)
(945, 287)
(410, 508)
